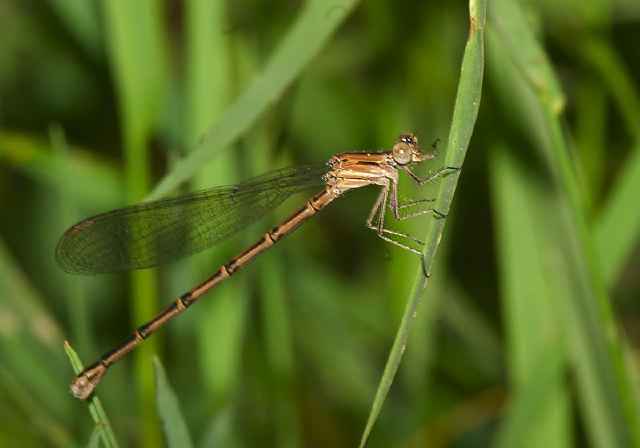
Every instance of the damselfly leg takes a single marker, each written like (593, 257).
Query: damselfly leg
(388, 198)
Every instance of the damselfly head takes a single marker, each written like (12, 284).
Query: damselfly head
(407, 150)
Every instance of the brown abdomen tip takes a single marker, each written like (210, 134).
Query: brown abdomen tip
(81, 389)
(86, 382)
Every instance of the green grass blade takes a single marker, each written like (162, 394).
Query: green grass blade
(539, 407)
(620, 85)
(466, 319)
(281, 355)
(31, 364)
(175, 427)
(77, 303)
(604, 383)
(526, 52)
(462, 125)
(94, 440)
(220, 323)
(308, 35)
(83, 20)
(93, 181)
(95, 406)
(544, 401)
(136, 47)
(208, 66)
(21, 401)
(602, 378)
(617, 227)
(31, 354)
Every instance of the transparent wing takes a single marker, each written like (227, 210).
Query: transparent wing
(153, 233)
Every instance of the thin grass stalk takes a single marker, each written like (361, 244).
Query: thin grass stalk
(305, 39)
(464, 117)
(99, 416)
(136, 50)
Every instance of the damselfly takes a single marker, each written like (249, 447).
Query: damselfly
(153, 233)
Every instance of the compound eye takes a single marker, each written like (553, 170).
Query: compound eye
(409, 139)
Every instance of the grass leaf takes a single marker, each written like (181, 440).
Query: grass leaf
(604, 383)
(95, 406)
(136, 44)
(173, 422)
(312, 30)
(617, 228)
(539, 406)
(464, 117)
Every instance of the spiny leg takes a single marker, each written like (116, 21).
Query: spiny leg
(412, 203)
(393, 205)
(441, 172)
(374, 210)
(385, 200)
(400, 217)
(378, 225)
(403, 246)
(375, 221)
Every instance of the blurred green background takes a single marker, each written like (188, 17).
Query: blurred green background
(528, 332)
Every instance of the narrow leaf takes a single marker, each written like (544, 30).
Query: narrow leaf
(95, 406)
(312, 30)
(173, 422)
(462, 125)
